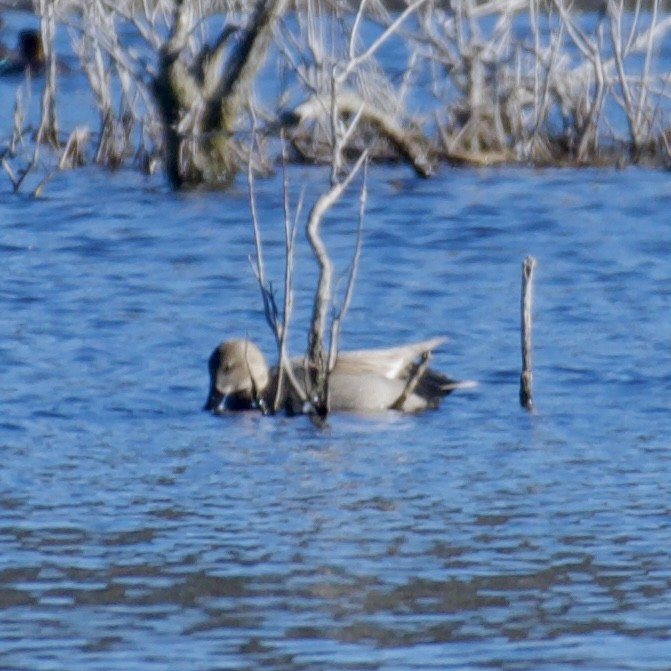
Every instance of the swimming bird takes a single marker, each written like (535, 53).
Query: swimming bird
(28, 55)
(362, 380)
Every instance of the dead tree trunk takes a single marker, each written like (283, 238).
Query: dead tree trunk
(199, 102)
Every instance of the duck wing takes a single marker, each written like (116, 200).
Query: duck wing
(391, 362)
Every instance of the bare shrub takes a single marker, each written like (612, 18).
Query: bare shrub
(469, 81)
(545, 83)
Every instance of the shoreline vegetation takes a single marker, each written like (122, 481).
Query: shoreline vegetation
(509, 82)
(466, 83)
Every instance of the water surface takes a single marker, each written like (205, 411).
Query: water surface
(138, 532)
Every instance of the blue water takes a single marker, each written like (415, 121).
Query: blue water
(137, 531)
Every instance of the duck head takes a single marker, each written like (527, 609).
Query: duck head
(238, 376)
(31, 49)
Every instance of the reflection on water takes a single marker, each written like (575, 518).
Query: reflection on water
(138, 532)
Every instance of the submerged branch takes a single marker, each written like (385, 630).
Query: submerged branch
(526, 377)
(411, 145)
(317, 364)
(354, 267)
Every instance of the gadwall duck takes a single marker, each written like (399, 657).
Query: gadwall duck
(362, 380)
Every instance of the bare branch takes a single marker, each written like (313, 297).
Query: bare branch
(354, 266)
(355, 62)
(317, 368)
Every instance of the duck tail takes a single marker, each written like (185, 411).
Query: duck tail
(435, 384)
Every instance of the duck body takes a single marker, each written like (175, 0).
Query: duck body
(28, 55)
(361, 381)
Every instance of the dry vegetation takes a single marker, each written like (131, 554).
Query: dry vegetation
(472, 82)
(175, 84)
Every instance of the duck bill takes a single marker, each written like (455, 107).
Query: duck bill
(215, 401)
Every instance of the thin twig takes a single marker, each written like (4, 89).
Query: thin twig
(616, 41)
(277, 326)
(285, 367)
(644, 90)
(412, 382)
(37, 191)
(271, 316)
(48, 131)
(355, 28)
(354, 266)
(390, 30)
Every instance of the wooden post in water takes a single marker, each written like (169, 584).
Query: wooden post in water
(526, 378)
